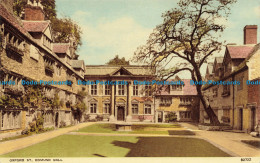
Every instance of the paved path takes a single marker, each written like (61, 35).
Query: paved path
(13, 145)
(122, 134)
(228, 140)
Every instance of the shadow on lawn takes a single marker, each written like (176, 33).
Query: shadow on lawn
(170, 147)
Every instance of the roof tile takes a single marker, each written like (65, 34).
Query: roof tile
(35, 26)
(238, 52)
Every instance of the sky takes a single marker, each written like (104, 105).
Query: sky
(118, 27)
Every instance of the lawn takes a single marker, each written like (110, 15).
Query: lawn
(136, 128)
(119, 146)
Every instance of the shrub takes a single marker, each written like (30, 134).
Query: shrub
(171, 117)
(62, 124)
(86, 118)
(99, 118)
(26, 132)
(48, 128)
(32, 126)
(39, 124)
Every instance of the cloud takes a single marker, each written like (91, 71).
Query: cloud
(105, 39)
(257, 11)
(80, 16)
(224, 21)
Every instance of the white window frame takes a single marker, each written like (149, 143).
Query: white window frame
(147, 106)
(93, 106)
(133, 112)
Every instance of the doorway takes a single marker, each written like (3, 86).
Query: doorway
(160, 116)
(240, 119)
(57, 120)
(253, 119)
(121, 113)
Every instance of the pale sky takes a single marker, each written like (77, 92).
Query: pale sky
(112, 27)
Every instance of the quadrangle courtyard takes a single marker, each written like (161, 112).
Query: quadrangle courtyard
(102, 140)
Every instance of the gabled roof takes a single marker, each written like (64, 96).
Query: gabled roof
(77, 64)
(61, 48)
(108, 70)
(239, 52)
(35, 26)
(11, 19)
(121, 71)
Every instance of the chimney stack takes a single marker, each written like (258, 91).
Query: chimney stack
(34, 11)
(250, 34)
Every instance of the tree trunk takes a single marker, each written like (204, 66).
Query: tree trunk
(212, 116)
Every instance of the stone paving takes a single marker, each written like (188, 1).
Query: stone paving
(228, 141)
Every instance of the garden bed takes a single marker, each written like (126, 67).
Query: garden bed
(209, 127)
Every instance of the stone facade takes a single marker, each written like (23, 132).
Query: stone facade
(26, 54)
(237, 105)
(116, 102)
(182, 100)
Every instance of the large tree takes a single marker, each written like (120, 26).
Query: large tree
(118, 61)
(188, 36)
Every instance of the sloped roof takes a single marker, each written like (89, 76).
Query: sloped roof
(239, 52)
(108, 70)
(255, 49)
(188, 89)
(77, 63)
(11, 19)
(60, 47)
(35, 26)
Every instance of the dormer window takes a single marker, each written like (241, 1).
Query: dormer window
(177, 87)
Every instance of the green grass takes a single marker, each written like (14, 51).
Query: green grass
(136, 128)
(119, 146)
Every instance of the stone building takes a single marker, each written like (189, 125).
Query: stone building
(28, 53)
(236, 104)
(179, 99)
(123, 99)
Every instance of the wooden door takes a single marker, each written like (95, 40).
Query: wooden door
(120, 113)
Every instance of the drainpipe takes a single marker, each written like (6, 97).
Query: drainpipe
(233, 101)
(154, 115)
